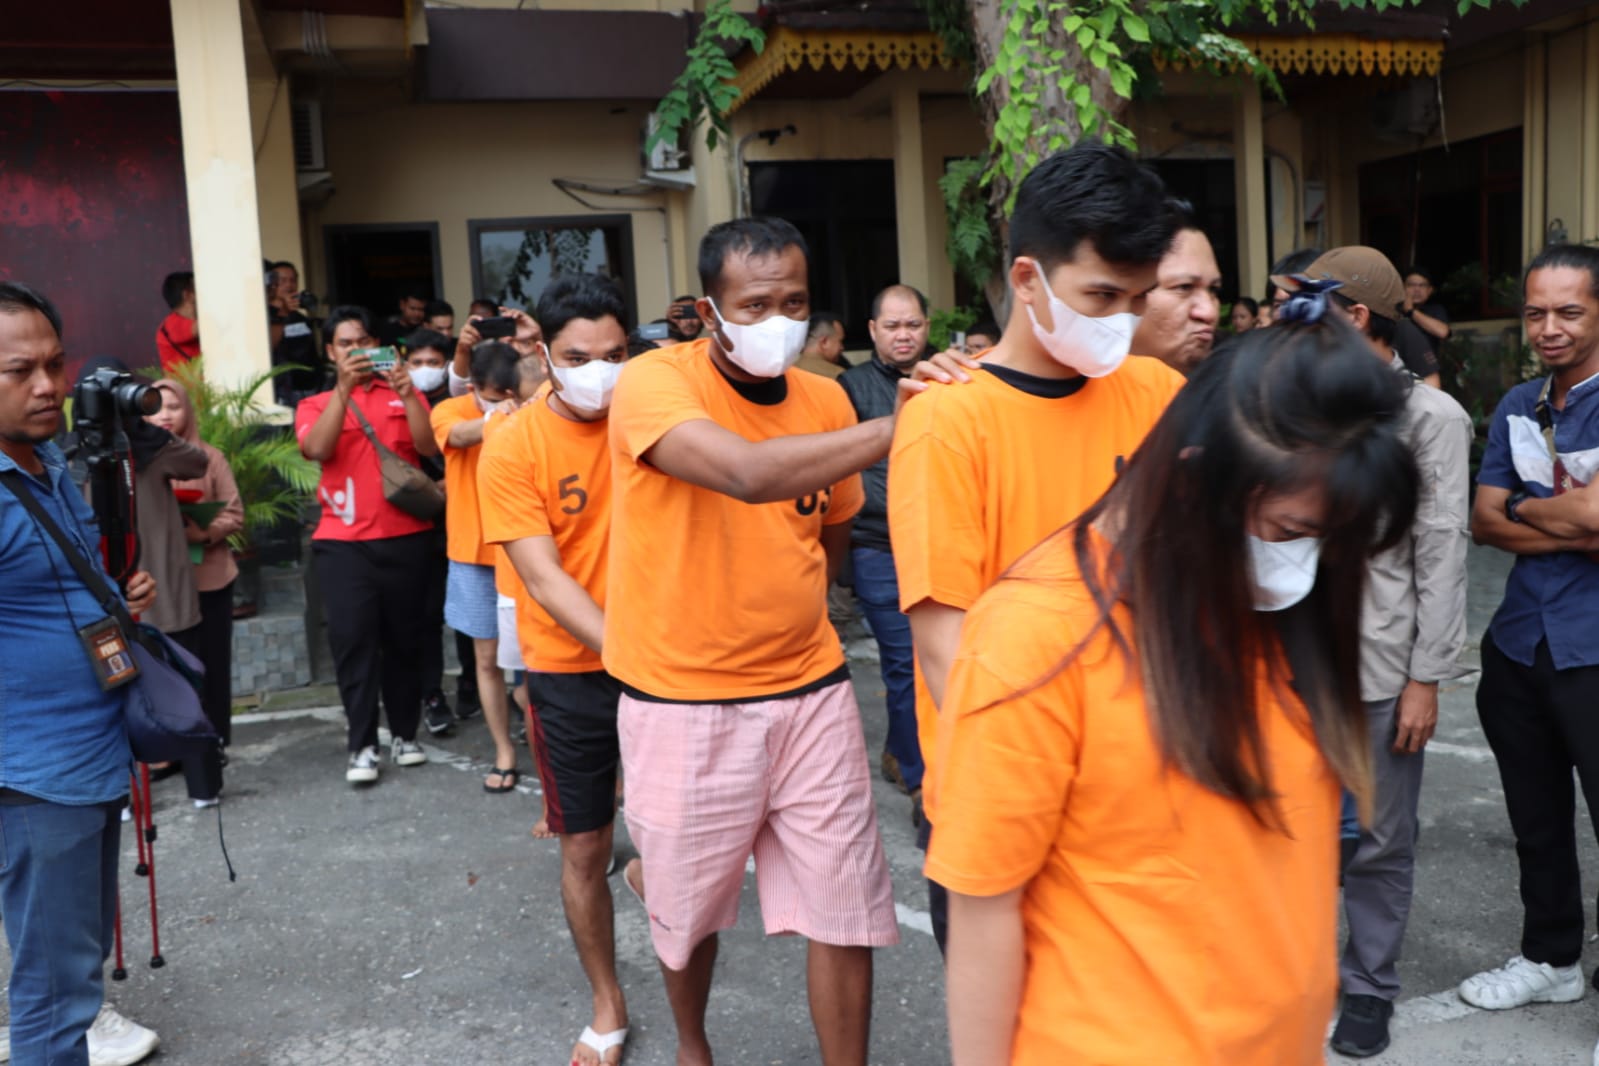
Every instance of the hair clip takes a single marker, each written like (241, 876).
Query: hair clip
(1307, 302)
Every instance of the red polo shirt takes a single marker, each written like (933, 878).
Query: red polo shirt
(177, 340)
(351, 489)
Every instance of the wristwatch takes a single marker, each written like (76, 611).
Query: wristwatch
(1512, 503)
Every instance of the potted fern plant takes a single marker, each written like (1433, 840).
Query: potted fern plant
(274, 479)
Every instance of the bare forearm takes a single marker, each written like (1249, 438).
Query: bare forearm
(987, 964)
(1429, 324)
(786, 468)
(1569, 516)
(416, 417)
(936, 634)
(323, 439)
(466, 434)
(1520, 538)
(558, 593)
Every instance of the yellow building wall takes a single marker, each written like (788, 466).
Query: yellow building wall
(398, 162)
(276, 185)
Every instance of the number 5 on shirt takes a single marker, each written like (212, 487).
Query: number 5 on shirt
(570, 491)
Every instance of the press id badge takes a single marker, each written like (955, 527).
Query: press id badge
(108, 653)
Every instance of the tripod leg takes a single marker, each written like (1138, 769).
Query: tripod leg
(156, 960)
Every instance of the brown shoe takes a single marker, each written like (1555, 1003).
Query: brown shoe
(892, 775)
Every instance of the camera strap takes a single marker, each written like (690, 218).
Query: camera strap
(383, 450)
(1546, 425)
(92, 579)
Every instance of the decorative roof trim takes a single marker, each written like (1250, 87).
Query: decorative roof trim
(791, 49)
(1339, 53)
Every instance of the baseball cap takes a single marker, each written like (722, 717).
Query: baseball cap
(1367, 276)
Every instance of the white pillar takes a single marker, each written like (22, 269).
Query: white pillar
(219, 171)
(910, 188)
(1249, 184)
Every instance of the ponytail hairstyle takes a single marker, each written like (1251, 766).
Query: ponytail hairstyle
(1271, 412)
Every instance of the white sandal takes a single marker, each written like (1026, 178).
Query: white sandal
(600, 1043)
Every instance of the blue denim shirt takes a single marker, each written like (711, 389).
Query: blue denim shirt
(61, 738)
(1553, 597)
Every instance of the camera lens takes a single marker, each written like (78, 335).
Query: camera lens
(135, 400)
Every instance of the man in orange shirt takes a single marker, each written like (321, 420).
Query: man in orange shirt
(545, 480)
(469, 600)
(980, 474)
(734, 482)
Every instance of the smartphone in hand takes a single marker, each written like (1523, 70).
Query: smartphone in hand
(499, 327)
(384, 359)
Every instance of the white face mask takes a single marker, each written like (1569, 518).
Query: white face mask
(427, 378)
(587, 389)
(1094, 347)
(767, 348)
(1284, 571)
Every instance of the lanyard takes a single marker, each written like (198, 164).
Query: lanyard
(1546, 423)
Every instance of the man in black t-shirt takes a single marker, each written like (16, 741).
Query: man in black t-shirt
(294, 340)
(1428, 316)
(412, 310)
(1410, 344)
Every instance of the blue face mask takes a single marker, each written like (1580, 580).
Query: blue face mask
(1284, 571)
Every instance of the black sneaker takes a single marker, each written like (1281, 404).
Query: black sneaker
(436, 715)
(1362, 1028)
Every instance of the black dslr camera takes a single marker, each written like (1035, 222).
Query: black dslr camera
(102, 399)
(104, 403)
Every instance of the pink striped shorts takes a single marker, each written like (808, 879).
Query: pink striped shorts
(786, 780)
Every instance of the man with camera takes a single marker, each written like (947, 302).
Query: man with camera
(293, 338)
(683, 320)
(64, 764)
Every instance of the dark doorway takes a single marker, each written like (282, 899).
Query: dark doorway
(1456, 212)
(373, 265)
(845, 210)
(1207, 184)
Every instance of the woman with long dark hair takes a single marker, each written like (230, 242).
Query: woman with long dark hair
(1150, 718)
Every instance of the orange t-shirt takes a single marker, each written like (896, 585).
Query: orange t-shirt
(463, 526)
(981, 472)
(507, 583)
(1163, 923)
(712, 600)
(543, 475)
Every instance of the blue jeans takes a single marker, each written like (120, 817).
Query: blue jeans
(877, 589)
(58, 900)
(1348, 818)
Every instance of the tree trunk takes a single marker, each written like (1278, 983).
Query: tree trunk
(1054, 116)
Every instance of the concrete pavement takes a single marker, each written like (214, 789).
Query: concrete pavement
(417, 922)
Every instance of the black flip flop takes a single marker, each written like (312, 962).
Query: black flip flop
(513, 774)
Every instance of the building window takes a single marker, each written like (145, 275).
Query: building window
(513, 259)
(1455, 211)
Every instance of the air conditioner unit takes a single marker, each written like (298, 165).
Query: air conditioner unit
(666, 155)
(1406, 114)
(309, 148)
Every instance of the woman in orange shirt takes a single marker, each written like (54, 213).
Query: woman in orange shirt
(1149, 720)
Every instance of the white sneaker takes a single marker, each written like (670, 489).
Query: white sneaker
(117, 1041)
(406, 753)
(1520, 982)
(113, 1040)
(363, 768)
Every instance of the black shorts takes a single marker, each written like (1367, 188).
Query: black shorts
(575, 743)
